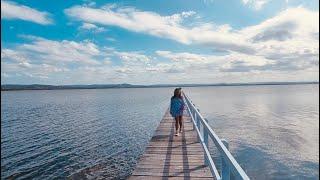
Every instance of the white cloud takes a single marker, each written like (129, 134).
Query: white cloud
(12, 10)
(43, 58)
(31, 70)
(11, 55)
(132, 62)
(290, 27)
(132, 57)
(255, 4)
(194, 62)
(61, 51)
(293, 23)
(88, 26)
(290, 38)
(46, 59)
(107, 61)
(169, 27)
(128, 18)
(91, 27)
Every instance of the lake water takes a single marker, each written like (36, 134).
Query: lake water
(273, 131)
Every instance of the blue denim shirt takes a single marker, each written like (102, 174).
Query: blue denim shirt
(176, 106)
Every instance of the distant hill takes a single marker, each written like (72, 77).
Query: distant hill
(8, 87)
(11, 87)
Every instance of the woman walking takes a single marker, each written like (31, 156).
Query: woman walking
(176, 109)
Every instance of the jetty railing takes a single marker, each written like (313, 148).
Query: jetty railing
(228, 164)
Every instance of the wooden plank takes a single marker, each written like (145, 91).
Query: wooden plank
(172, 157)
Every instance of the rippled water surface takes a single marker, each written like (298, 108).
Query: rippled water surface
(272, 130)
(77, 133)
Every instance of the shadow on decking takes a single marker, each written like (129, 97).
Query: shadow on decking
(190, 170)
(185, 170)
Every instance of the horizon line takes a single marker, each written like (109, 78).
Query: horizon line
(221, 83)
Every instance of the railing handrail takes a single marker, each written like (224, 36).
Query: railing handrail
(225, 153)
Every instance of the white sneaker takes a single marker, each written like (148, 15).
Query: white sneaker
(177, 134)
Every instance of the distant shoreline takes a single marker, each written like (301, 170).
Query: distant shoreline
(19, 87)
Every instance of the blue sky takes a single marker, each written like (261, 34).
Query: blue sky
(155, 42)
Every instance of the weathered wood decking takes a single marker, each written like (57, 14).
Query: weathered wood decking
(172, 157)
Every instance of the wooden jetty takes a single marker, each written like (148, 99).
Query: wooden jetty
(173, 157)
(186, 156)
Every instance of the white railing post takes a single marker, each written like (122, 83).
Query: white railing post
(206, 142)
(196, 119)
(198, 125)
(225, 169)
(193, 116)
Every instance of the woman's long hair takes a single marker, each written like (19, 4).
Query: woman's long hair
(177, 93)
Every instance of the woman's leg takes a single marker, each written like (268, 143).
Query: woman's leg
(180, 123)
(177, 124)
